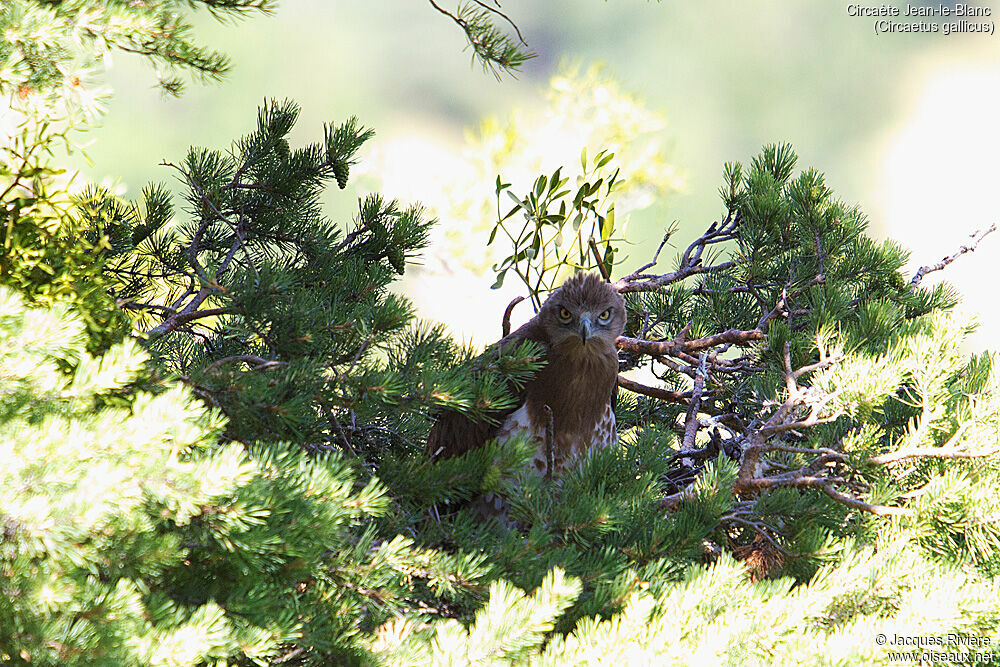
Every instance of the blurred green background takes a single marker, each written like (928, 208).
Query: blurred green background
(903, 125)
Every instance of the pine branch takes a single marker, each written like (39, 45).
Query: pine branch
(949, 450)
(690, 263)
(494, 50)
(731, 336)
(824, 484)
(691, 421)
(654, 392)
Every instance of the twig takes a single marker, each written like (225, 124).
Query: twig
(656, 282)
(261, 363)
(690, 263)
(549, 444)
(825, 485)
(653, 392)
(506, 18)
(691, 422)
(180, 319)
(760, 530)
(387, 431)
(948, 450)
(732, 336)
(136, 305)
(600, 262)
(924, 270)
(505, 324)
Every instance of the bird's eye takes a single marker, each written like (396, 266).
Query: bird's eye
(605, 316)
(565, 315)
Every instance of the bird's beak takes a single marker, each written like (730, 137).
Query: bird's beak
(585, 328)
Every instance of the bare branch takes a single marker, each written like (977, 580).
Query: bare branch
(507, 313)
(600, 262)
(949, 450)
(690, 264)
(732, 336)
(825, 485)
(656, 282)
(654, 392)
(924, 270)
(136, 305)
(180, 319)
(506, 18)
(260, 363)
(691, 422)
(933, 453)
(761, 530)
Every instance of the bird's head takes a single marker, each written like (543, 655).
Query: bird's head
(586, 311)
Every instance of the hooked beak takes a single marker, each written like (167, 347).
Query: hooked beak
(586, 330)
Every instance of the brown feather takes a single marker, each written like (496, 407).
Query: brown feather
(454, 433)
(576, 383)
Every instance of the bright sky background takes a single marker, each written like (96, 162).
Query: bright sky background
(903, 125)
(940, 174)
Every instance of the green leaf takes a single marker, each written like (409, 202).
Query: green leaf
(540, 184)
(520, 203)
(510, 213)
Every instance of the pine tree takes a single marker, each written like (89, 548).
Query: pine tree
(805, 451)
(131, 537)
(280, 316)
(47, 51)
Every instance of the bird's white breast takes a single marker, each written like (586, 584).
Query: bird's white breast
(519, 423)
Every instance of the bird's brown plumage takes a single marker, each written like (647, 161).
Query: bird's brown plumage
(577, 327)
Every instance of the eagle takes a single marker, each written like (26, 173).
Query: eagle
(567, 408)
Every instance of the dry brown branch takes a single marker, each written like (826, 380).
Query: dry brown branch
(732, 336)
(691, 260)
(505, 325)
(601, 266)
(653, 392)
(824, 484)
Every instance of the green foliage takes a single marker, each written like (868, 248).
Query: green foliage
(509, 628)
(131, 537)
(84, 491)
(714, 615)
(279, 316)
(47, 56)
(48, 46)
(45, 255)
(559, 226)
(262, 496)
(566, 116)
(495, 49)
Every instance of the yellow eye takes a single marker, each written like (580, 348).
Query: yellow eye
(605, 316)
(565, 315)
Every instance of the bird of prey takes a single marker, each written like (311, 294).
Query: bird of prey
(572, 395)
